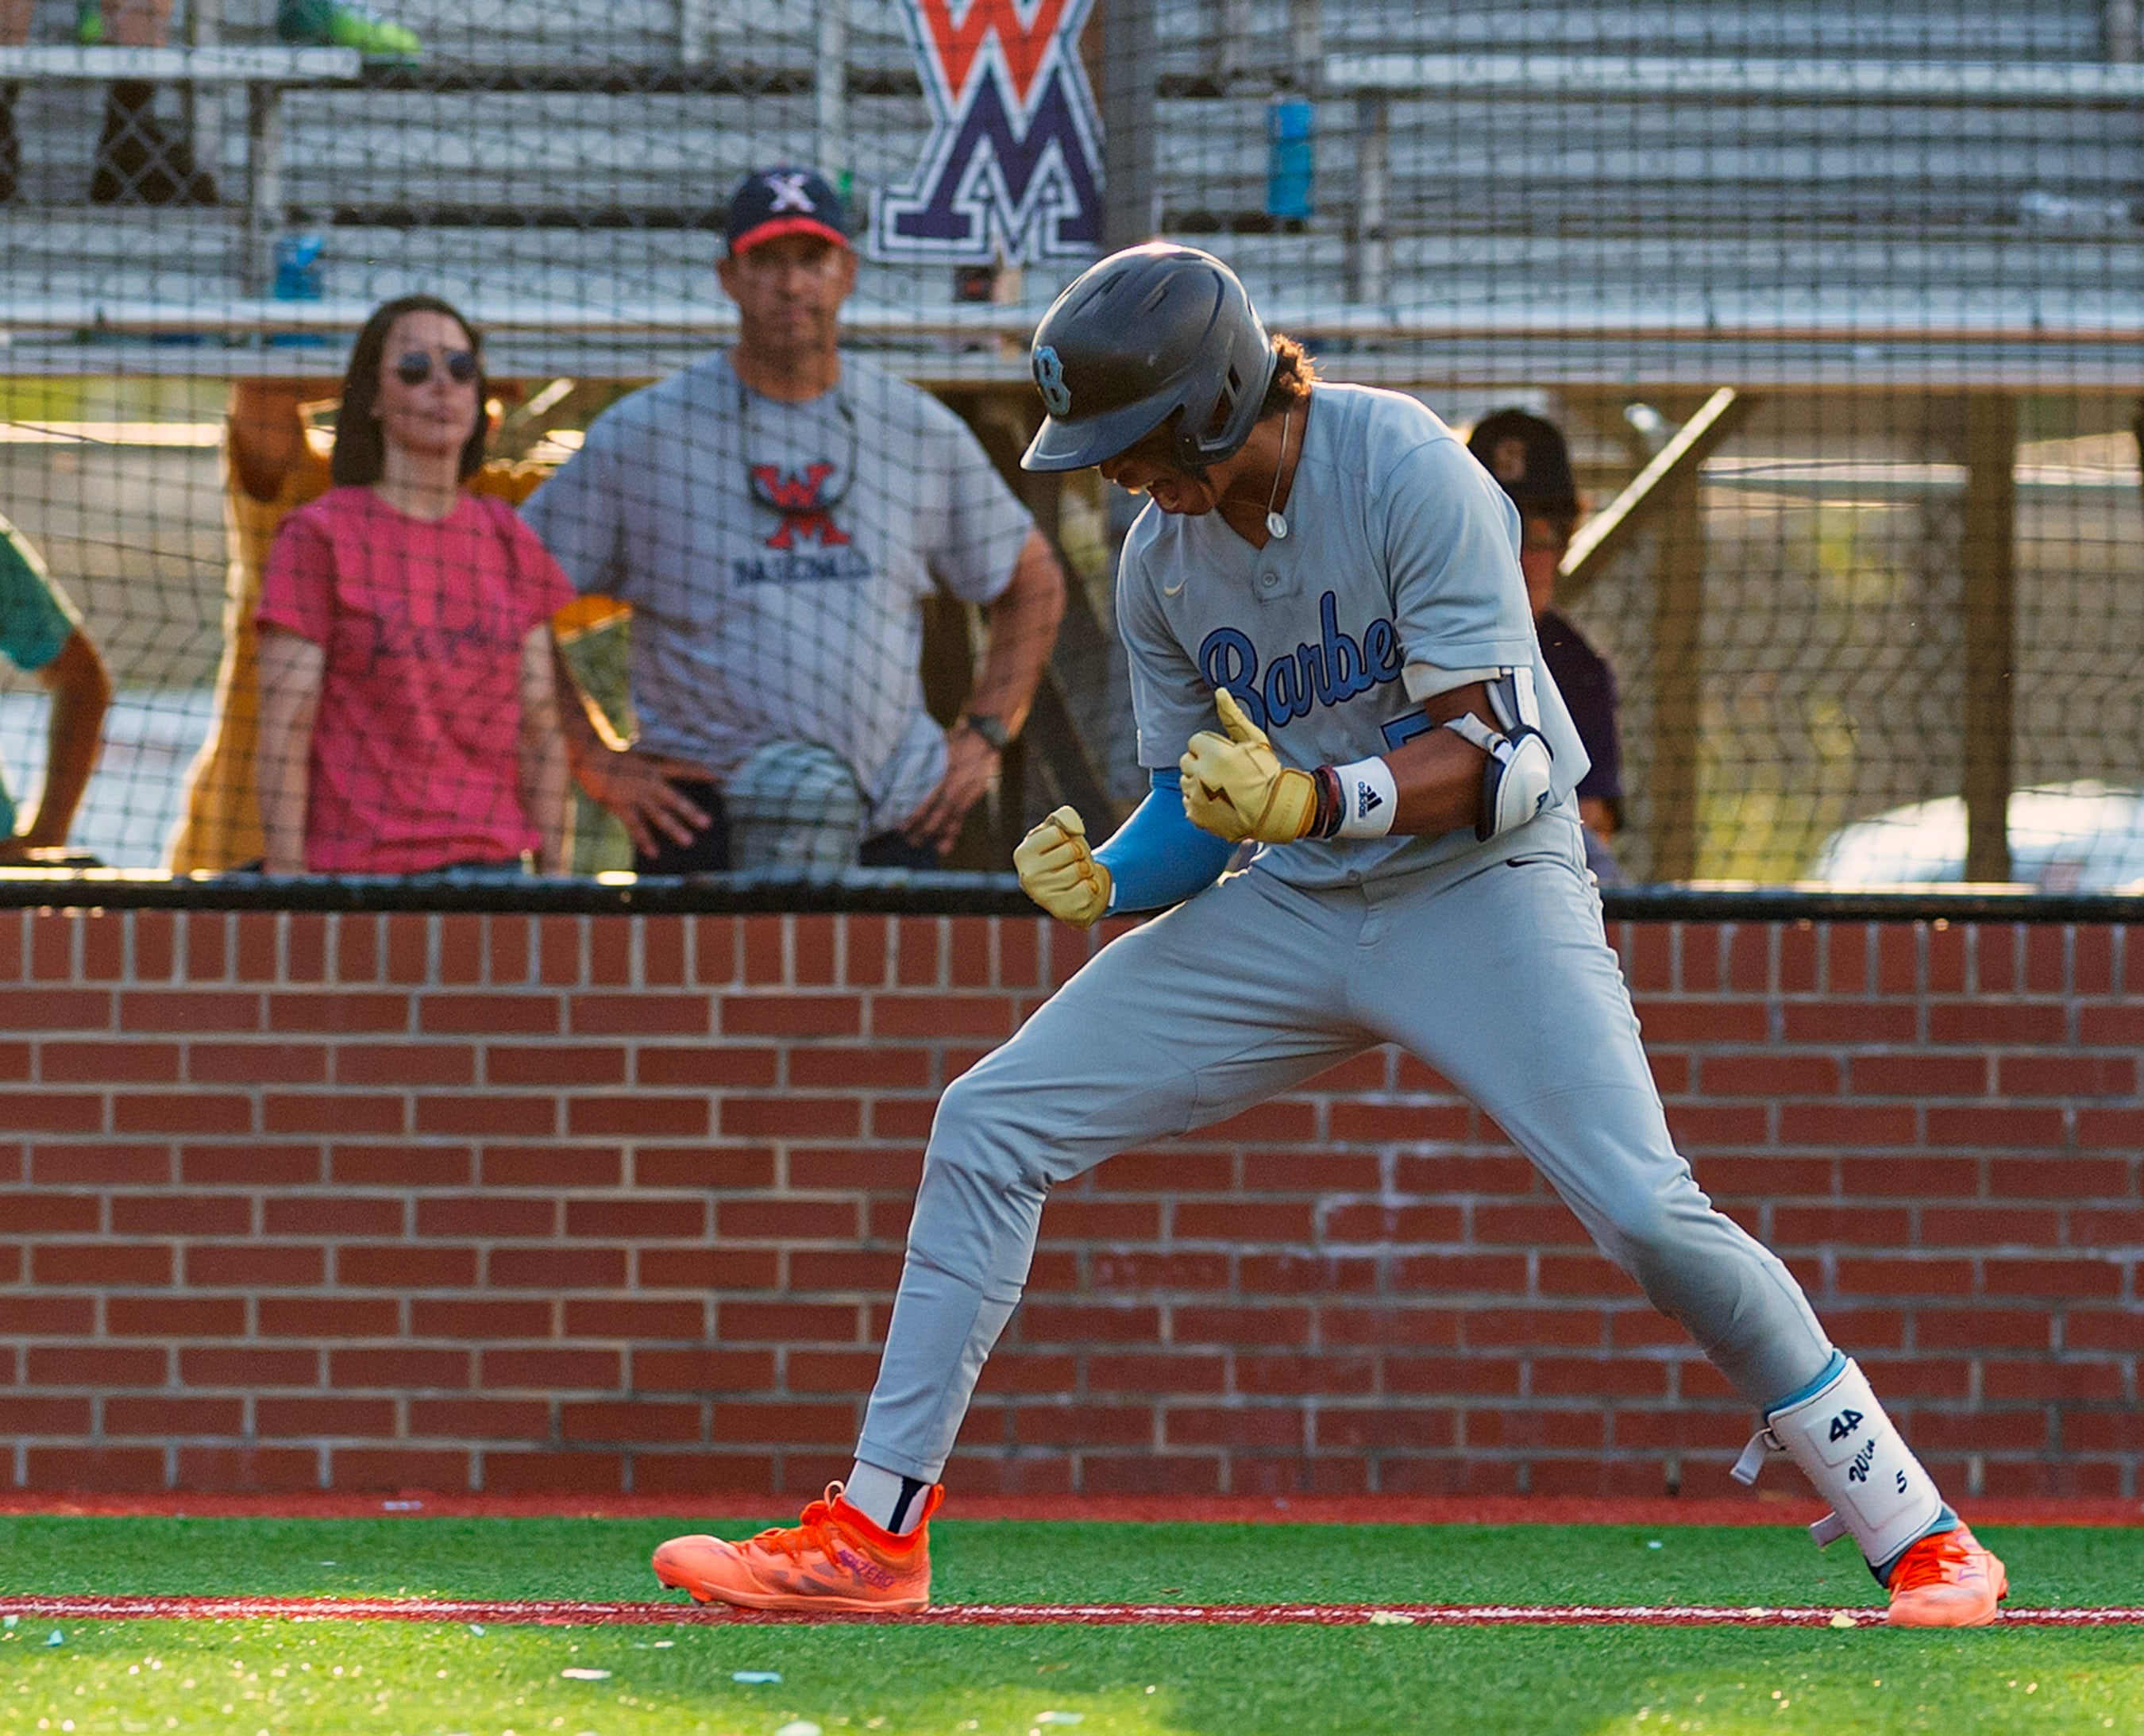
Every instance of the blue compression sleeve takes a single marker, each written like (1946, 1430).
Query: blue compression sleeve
(1157, 858)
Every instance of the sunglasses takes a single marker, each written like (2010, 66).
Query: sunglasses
(416, 367)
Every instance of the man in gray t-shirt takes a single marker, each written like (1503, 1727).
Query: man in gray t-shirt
(774, 518)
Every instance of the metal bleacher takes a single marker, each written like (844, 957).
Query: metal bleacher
(1780, 189)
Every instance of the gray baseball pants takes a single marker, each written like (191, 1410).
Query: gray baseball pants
(1495, 972)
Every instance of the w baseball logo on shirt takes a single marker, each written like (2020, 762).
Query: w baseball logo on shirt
(798, 499)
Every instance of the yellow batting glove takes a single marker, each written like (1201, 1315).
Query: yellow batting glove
(1058, 872)
(1235, 786)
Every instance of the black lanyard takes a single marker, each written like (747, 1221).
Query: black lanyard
(756, 475)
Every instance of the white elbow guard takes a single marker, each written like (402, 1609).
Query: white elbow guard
(1516, 780)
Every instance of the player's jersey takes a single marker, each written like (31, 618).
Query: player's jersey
(1401, 553)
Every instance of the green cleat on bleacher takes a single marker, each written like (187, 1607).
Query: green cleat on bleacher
(342, 24)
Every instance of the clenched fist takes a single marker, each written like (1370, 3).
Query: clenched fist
(1058, 872)
(1235, 786)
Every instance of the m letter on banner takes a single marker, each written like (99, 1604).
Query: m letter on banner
(1014, 164)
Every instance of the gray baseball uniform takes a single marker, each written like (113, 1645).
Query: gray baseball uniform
(1485, 960)
(775, 556)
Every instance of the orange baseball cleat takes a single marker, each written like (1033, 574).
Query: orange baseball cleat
(834, 1557)
(1949, 1580)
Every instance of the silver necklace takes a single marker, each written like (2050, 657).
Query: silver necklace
(1277, 526)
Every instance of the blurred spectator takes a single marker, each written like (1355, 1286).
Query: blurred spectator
(407, 716)
(340, 24)
(1528, 457)
(138, 161)
(775, 517)
(40, 634)
(273, 464)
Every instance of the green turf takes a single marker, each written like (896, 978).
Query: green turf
(156, 1676)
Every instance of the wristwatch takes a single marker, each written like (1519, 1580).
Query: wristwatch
(991, 729)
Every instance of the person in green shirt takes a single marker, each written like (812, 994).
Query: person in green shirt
(40, 633)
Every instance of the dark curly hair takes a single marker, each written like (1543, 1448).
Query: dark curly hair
(361, 454)
(1294, 374)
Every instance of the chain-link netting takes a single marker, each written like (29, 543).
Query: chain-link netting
(1825, 319)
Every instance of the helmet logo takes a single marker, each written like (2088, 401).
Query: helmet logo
(1049, 381)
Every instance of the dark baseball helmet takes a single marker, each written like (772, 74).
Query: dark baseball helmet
(1530, 461)
(1154, 331)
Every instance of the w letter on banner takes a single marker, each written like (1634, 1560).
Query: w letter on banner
(1014, 163)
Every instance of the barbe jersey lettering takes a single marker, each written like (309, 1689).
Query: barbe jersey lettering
(1400, 552)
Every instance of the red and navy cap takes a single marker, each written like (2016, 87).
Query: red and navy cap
(784, 201)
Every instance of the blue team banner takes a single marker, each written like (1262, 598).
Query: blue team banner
(1014, 164)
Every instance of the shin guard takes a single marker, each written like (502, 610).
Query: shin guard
(1850, 1450)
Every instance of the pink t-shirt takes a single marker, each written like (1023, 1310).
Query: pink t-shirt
(416, 741)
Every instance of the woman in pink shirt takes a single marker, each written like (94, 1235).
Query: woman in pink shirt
(408, 721)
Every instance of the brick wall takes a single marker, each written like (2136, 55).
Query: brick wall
(518, 1202)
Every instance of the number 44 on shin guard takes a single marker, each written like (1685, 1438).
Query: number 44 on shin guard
(1881, 1495)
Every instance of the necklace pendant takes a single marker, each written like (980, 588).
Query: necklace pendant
(1276, 527)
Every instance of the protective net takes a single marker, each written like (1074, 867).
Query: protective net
(1824, 319)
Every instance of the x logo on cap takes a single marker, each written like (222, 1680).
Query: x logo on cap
(789, 194)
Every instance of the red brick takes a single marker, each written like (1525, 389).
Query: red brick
(1242, 1221)
(186, 1010)
(165, 1318)
(246, 1470)
(1181, 1169)
(790, 1015)
(71, 1317)
(328, 1318)
(1986, 1125)
(256, 1063)
(2120, 1129)
(45, 1413)
(556, 1368)
(1908, 1177)
(687, 1475)
(2096, 1278)
(44, 1214)
(52, 1112)
(555, 1269)
(1697, 1126)
(639, 1115)
(786, 1219)
(489, 1014)
(710, 1370)
(480, 1419)
(171, 1213)
(794, 1116)
(340, 1012)
(987, 1017)
(305, 946)
(461, 1317)
(780, 1423)
(1529, 1223)
(488, 1114)
(1770, 1075)
(631, 1421)
(1850, 1021)
(554, 1064)
(168, 1415)
(844, 1271)
(405, 1265)
(405, 1063)
(398, 1365)
(107, 1262)
(1921, 1074)
(553, 1166)
(861, 1169)
(343, 1113)
(397, 1469)
(106, 1366)
(331, 1215)
(1849, 1124)
(1989, 1021)
(1988, 1227)
(784, 1322)
(1799, 1226)
(484, 1214)
(2067, 1075)
(125, 1164)
(105, 1469)
(254, 1264)
(1898, 1276)
(226, 1365)
(400, 1166)
(699, 1166)
(1388, 1123)
(593, 1318)
(125, 1061)
(643, 1014)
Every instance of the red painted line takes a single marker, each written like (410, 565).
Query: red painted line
(1221, 1509)
(556, 1613)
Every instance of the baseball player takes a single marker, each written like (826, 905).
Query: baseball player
(1332, 656)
